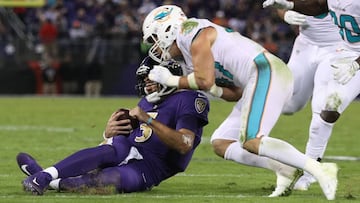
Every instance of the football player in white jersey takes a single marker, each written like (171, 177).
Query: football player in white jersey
(235, 68)
(317, 41)
(343, 85)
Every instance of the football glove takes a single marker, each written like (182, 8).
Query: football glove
(163, 76)
(344, 70)
(294, 18)
(282, 4)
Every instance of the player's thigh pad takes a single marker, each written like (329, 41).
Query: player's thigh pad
(134, 177)
(230, 127)
(264, 97)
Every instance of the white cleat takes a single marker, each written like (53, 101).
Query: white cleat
(304, 182)
(328, 181)
(284, 185)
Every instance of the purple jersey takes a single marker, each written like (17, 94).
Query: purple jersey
(183, 109)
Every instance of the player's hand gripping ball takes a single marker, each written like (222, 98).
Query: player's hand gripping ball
(133, 121)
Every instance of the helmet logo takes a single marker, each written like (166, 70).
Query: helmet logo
(163, 15)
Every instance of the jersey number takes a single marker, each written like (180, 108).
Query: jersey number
(346, 34)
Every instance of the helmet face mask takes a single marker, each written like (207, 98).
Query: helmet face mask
(152, 91)
(160, 29)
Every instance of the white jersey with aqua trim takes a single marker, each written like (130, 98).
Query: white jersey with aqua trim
(346, 15)
(318, 41)
(233, 54)
(320, 30)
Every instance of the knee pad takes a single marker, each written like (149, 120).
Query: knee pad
(330, 116)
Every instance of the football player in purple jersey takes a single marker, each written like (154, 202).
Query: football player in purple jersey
(131, 160)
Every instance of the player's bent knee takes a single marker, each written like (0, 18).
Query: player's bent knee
(252, 145)
(132, 180)
(220, 146)
(330, 116)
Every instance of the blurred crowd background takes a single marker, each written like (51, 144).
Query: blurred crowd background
(93, 47)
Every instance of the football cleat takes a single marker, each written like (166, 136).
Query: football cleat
(284, 185)
(37, 183)
(328, 180)
(304, 182)
(27, 164)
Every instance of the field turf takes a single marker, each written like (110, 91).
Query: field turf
(50, 128)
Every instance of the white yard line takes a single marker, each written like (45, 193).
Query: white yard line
(141, 196)
(342, 158)
(206, 140)
(210, 175)
(36, 128)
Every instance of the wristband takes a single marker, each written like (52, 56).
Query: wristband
(192, 81)
(216, 91)
(173, 81)
(149, 121)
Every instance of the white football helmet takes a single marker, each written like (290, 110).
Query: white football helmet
(160, 28)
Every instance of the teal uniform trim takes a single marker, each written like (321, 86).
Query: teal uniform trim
(259, 96)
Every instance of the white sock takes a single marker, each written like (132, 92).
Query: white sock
(236, 153)
(319, 134)
(282, 151)
(52, 171)
(54, 184)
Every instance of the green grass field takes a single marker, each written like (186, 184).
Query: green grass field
(52, 128)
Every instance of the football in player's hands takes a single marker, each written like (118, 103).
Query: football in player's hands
(133, 121)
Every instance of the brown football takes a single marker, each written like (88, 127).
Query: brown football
(134, 122)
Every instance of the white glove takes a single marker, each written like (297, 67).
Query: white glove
(163, 76)
(282, 4)
(294, 18)
(344, 70)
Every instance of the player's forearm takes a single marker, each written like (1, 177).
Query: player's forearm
(179, 141)
(311, 7)
(231, 94)
(196, 81)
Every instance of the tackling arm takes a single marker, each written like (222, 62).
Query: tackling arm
(203, 62)
(231, 94)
